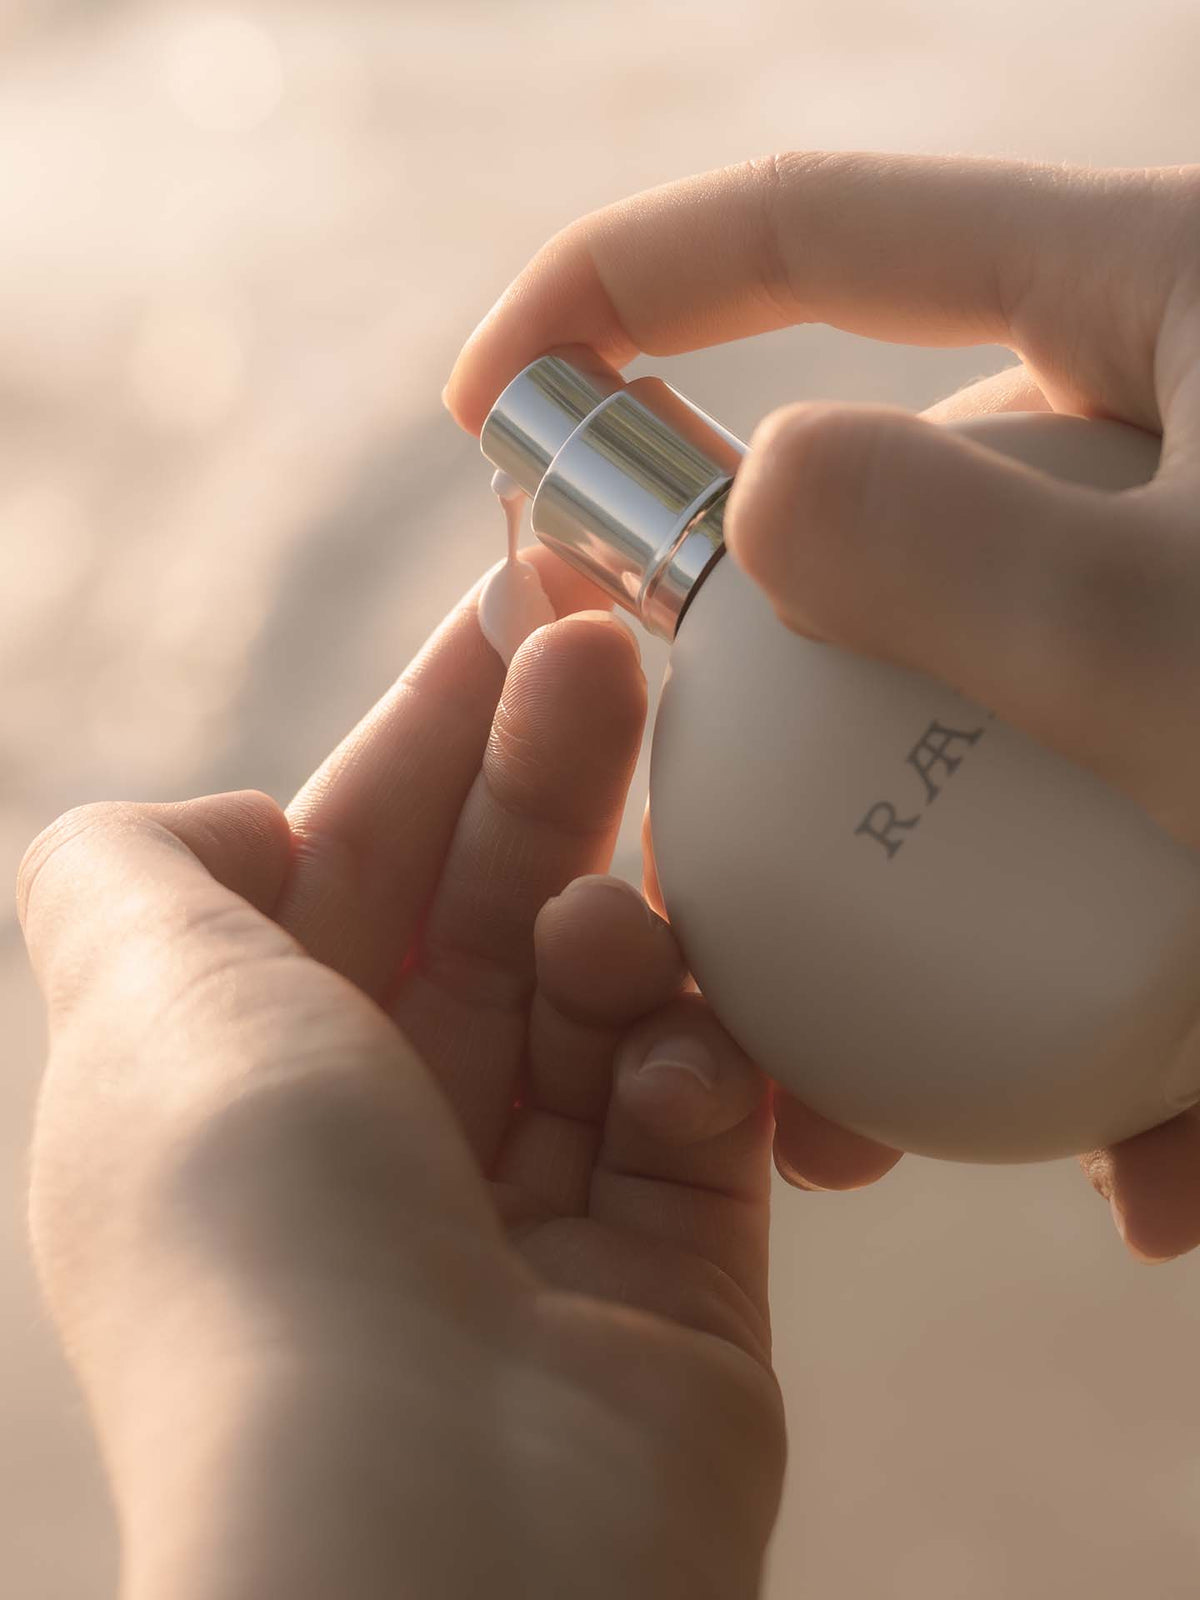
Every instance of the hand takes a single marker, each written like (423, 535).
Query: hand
(1093, 279)
(373, 1282)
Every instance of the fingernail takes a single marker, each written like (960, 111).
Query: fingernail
(446, 396)
(795, 1178)
(1122, 1228)
(682, 1054)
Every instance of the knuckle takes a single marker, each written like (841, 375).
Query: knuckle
(835, 166)
(772, 180)
(766, 180)
(74, 830)
(784, 170)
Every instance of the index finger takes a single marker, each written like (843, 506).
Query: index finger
(904, 248)
(372, 826)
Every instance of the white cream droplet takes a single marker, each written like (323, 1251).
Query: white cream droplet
(513, 603)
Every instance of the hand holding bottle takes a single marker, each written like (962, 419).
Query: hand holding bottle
(1074, 616)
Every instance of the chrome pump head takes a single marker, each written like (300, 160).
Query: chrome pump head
(628, 481)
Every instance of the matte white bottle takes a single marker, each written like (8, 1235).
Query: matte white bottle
(930, 928)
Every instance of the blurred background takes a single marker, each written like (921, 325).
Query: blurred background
(239, 248)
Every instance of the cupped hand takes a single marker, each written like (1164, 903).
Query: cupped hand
(404, 1217)
(869, 528)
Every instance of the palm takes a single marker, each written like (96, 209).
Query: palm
(649, 1249)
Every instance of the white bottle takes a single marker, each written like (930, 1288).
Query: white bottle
(928, 927)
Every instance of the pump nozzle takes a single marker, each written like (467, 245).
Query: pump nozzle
(628, 481)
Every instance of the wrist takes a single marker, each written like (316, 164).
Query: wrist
(447, 1472)
(283, 1468)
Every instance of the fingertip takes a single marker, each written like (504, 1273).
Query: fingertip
(559, 299)
(464, 397)
(585, 668)
(594, 648)
(1152, 1185)
(811, 1152)
(568, 591)
(472, 387)
(1148, 1254)
(602, 955)
(791, 1176)
(568, 727)
(799, 499)
(614, 626)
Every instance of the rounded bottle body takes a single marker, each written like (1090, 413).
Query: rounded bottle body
(924, 924)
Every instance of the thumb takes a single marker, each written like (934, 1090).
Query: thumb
(1061, 608)
(215, 1098)
(104, 875)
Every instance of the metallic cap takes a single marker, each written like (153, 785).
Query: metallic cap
(628, 480)
(540, 410)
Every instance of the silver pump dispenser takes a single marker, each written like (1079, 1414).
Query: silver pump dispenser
(628, 481)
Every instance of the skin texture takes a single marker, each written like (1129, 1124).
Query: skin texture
(1072, 613)
(401, 1209)
(388, 1259)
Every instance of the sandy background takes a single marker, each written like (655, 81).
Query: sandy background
(238, 250)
